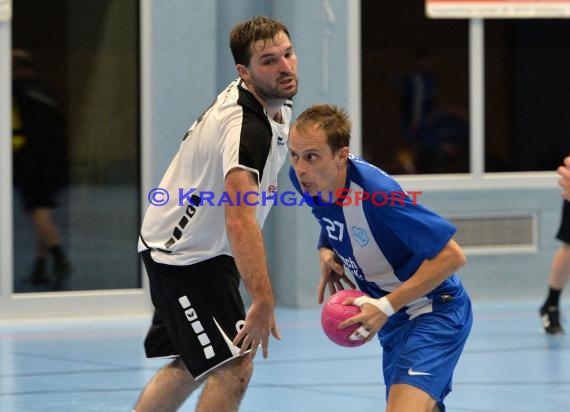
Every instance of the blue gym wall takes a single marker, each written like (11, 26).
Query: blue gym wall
(191, 62)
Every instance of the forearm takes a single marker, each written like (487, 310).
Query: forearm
(246, 241)
(429, 275)
(564, 172)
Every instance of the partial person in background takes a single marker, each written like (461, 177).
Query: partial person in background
(40, 165)
(564, 172)
(196, 254)
(419, 91)
(560, 267)
(449, 129)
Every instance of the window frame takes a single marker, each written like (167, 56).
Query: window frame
(38, 305)
(130, 301)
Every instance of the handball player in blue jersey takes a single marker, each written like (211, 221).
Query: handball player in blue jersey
(399, 253)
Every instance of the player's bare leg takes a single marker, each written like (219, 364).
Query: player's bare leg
(46, 230)
(560, 271)
(226, 386)
(168, 389)
(405, 398)
(49, 240)
(558, 277)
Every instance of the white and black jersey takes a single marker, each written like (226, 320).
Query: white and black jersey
(234, 132)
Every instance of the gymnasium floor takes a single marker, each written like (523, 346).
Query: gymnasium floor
(98, 365)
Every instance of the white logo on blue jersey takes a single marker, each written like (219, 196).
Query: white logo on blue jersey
(360, 235)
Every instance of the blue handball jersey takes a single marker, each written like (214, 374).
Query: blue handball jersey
(384, 239)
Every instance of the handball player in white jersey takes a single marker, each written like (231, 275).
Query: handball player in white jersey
(196, 252)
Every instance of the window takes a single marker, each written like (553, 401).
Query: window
(527, 87)
(82, 63)
(414, 89)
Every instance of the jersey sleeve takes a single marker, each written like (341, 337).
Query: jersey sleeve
(245, 144)
(323, 239)
(422, 231)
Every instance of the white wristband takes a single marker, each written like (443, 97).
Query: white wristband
(383, 304)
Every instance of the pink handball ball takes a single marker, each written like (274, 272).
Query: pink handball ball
(334, 312)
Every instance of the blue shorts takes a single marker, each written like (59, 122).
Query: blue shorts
(424, 351)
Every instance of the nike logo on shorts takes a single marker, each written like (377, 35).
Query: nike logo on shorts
(412, 372)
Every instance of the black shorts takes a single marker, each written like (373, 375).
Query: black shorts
(564, 230)
(199, 310)
(39, 196)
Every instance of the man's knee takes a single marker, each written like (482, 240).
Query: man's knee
(403, 397)
(241, 367)
(236, 373)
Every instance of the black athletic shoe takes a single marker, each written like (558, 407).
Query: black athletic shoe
(550, 316)
(62, 271)
(39, 274)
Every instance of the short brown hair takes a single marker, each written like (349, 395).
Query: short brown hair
(333, 120)
(244, 34)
